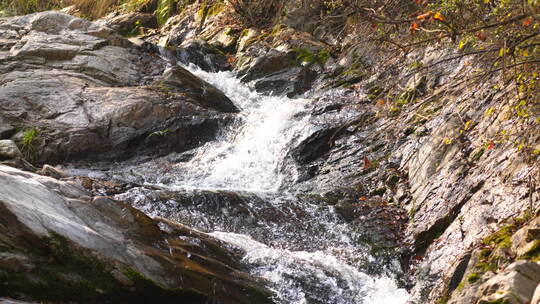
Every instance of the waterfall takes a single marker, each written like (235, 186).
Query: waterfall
(233, 189)
(249, 158)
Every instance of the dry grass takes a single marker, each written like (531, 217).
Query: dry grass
(91, 9)
(22, 7)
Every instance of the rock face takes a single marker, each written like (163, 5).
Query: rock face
(504, 269)
(58, 243)
(203, 55)
(86, 90)
(180, 81)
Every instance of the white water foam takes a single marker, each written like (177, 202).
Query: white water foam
(248, 160)
(337, 282)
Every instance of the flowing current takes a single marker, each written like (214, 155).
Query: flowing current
(303, 250)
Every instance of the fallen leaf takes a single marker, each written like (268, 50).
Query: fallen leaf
(527, 21)
(414, 27)
(424, 16)
(481, 36)
(367, 163)
(380, 102)
(438, 16)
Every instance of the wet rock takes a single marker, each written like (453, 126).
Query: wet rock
(180, 81)
(203, 55)
(267, 65)
(6, 129)
(314, 146)
(60, 244)
(84, 89)
(290, 82)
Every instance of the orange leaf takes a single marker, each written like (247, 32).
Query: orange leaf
(481, 36)
(363, 198)
(414, 27)
(380, 102)
(424, 16)
(438, 16)
(527, 21)
(367, 163)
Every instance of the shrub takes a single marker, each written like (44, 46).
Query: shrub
(257, 13)
(23, 7)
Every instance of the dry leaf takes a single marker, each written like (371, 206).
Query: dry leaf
(414, 27)
(367, 163)
(438, 16)
(481, 36)
(527, 21)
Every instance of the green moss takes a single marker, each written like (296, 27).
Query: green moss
(498, 301)
(484, 253)
(277, 29)
(346, 82)
(216, 8)
(532, 254)
(473, 278)
(378, 191)
(443, 300)
(501, 238)
(244, 33)
(405, 98)
(202, 11)
(476, 156)
(164, 11)
(393, 180)
(303, 55)
(374, 93)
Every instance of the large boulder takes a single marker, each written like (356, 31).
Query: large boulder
(203, 55)
(87, 90)
(180, 81)
(58, 243)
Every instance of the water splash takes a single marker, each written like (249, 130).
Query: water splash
(249, 159)
(294, 275)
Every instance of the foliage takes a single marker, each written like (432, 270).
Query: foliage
(257, 13)
(304, 55)
(29, 136)
(22, 7)
(27, 143)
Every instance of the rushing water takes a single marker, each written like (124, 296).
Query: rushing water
(249, 158)
(303, 250)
